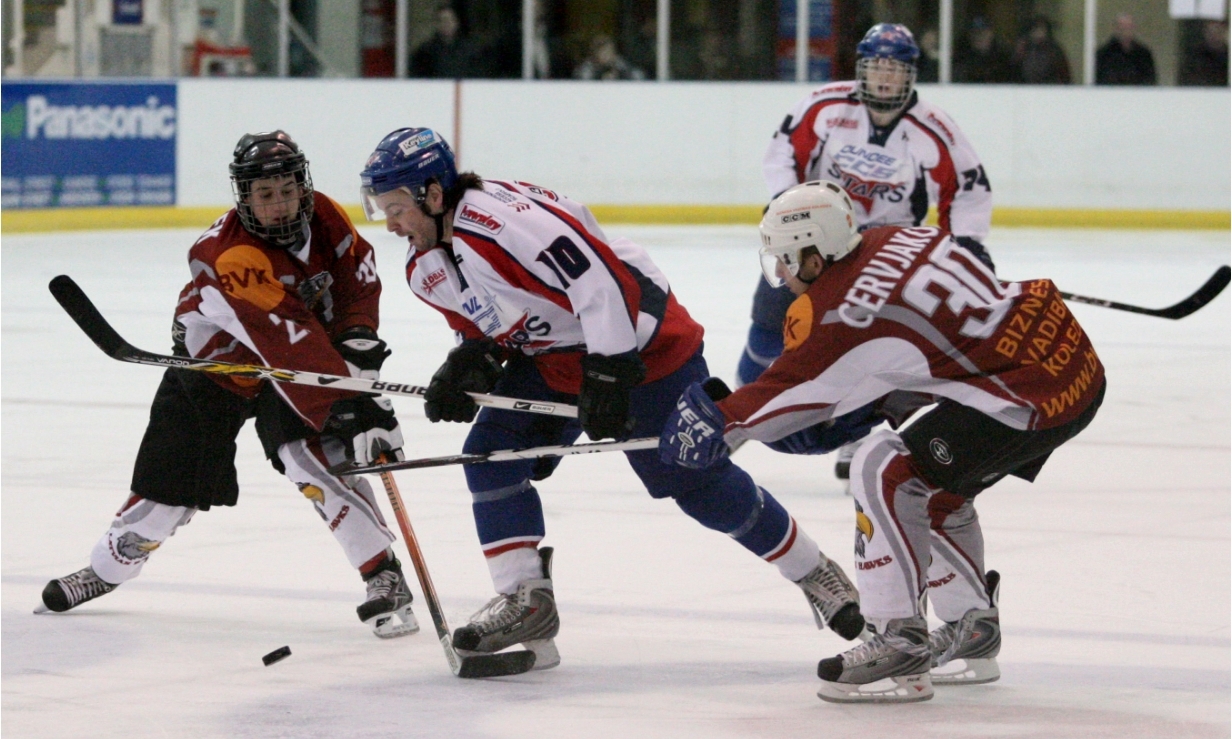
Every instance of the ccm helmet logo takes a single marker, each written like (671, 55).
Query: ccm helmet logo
(793, 217)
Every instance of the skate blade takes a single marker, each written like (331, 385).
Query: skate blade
(42, 608)
(546, 654)
(394, 624)
(903, 689)
(967, 672)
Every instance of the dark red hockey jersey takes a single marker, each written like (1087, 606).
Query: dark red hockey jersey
(253, 303)
(912, 310)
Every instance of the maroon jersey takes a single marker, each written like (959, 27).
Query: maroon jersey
(912, 310)
(254, 303)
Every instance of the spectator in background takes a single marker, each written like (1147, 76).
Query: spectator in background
(605, 63)
(1206, 65)
(979, 57)
(1124, 61)
(928, 66)
(1039, 58)
(447, 54)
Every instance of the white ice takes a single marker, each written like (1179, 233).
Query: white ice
(1115, 563)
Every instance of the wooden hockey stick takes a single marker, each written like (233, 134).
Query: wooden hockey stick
(471, 666)
(505, 455)
(1204, 295)
(79, 307)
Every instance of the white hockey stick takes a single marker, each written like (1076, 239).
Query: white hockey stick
(79, 307)
(506, 455)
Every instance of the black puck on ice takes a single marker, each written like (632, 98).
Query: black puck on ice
(277, 654)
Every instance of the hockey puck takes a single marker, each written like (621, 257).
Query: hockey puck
(277, 654)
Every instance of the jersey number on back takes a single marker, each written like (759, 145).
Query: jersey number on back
(965, 289)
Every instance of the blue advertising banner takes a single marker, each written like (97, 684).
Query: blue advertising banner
(79, 144)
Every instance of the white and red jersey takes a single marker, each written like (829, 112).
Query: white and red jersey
(253, 303)
(533, 270)
(891, 174)
(912, 310)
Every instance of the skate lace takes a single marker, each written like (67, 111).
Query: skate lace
(383, 585)
(884, 644)
(943, 642)
(498, 613)
(84, 585)
(825, 589)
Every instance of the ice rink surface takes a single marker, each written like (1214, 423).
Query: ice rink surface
(1115, 563)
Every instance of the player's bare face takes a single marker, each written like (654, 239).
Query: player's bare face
(810, 269)
(275, 200)
(404, 217)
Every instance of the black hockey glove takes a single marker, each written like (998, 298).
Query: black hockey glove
(603, 403)
(366, 426)
(363, 351)
(474, 366)
(977, 249)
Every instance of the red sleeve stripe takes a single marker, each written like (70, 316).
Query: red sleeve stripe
(511, 270)
(804, 137)
(943, 174)
(628, 285)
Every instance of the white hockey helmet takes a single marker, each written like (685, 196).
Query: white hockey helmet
(817, 214)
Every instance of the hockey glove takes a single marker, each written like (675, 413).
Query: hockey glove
(363, 351)
(693, 434)
(474, 366)
(829, 435)
(367, 428)
(603, 403)
(977, 249)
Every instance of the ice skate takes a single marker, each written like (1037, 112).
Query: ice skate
(388, 607)
(892, 667)
(965, 652)
(842, 465)
(834, 600)
(527, 617)
(73, 590)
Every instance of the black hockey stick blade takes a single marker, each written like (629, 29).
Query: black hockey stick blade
(81, 309)
(495, 665)
(1193, 303)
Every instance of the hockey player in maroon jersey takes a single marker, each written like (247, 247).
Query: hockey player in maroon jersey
(893, 152)
(545, 306)
(906, 311)
(281, 280)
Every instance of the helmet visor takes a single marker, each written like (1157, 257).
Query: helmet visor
(776, 267)
(372, 209)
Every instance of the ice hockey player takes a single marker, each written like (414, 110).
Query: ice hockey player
(894, 154)
(907, 309)
(281, 280)
(546, 307)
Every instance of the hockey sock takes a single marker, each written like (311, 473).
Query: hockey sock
(514, 566)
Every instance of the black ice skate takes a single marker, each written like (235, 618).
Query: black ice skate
(842, 464)
(73, 590)
(965, 652)
(527, 617)
(833, 599)
(892, 667)
(388, 607)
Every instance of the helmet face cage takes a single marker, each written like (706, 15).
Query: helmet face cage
(886, 67)
(408, 159)
(275, 157)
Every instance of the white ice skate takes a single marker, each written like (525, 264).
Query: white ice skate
(527, 617)
(892, 667)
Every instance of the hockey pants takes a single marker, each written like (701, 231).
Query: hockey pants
(509, 513)
(347, 506)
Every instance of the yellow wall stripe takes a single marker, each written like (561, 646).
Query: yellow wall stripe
(79, 219)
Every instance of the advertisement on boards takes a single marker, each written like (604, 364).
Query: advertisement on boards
(75, 144)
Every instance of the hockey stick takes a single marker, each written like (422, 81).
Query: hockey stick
(479, 665)
(79, 307)
(501, 456)
(1204, 295)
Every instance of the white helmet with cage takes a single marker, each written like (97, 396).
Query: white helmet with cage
(817, 214)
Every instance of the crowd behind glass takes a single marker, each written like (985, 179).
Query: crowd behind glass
(1006, 42)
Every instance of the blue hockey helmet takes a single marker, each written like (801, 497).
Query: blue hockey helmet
(889, 52)
(410, 158)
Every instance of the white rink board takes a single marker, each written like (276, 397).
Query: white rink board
(691, 143)
(1115, 564)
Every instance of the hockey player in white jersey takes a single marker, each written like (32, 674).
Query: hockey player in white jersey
(892, 152)
(546, 307)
